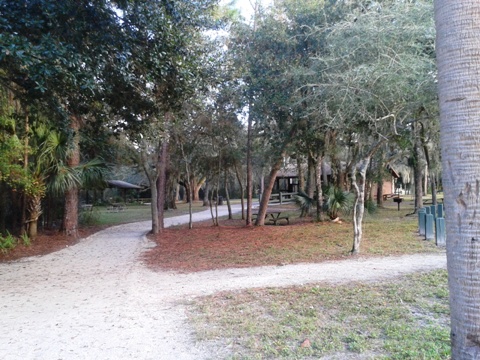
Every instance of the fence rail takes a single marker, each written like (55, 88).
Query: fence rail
(282, 197)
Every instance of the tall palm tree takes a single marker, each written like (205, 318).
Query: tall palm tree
(458, 49)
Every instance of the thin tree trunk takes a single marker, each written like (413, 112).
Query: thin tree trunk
(417, 168)
(227, 196)
(324, 172)
(380, 193)
(3, 207)
(211, 206)
(187, 170)
(249, 171)
(25, 166)
(318, 187)
(359, 203)
(301, 175)
(206, 193)
(430, 172)
(162, 183)
(242, 190)
(153, 206)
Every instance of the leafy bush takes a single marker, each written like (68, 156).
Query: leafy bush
(25, 239)
(7, 242)
(88, 217)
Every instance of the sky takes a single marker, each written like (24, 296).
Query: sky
(245, 6)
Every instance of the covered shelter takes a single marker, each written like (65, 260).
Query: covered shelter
(123, 186)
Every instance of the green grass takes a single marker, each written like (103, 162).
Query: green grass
(403, 319)
(132, 213)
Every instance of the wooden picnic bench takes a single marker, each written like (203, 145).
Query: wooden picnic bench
(274, 215)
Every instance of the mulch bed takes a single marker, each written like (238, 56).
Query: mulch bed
(47, 241)
(232, 244)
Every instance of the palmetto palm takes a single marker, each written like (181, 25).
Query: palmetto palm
(50, 172)
(335, 201)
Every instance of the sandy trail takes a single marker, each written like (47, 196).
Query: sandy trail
(95, 300)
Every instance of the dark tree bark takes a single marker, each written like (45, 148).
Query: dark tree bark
(242, 190)
(268, 191)
(380, 193)
(249, 171)
(417, 168)
(318, 187)
(70, 215)
(162, 183)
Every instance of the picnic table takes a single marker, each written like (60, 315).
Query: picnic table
(87, 207)
(274, 215)
(115, 207)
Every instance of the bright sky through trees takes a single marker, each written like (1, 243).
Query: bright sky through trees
(246, 6)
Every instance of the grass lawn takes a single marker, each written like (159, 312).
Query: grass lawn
(404, 319)
(100, 215)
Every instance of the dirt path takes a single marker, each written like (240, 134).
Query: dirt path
(94, 300)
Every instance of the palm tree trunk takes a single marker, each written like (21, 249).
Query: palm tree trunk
(70, 215)
(34, 209)
(458, 46)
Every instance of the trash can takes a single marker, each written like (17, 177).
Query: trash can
(220, 200)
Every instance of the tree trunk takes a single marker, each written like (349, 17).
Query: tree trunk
(301, 177)
(70, 215)
(3, 207)
(324, 172)
(431, 173)
(458, 46)
(34, 210)
(311, 181)
(380, 193)
(268, 191)
(311, 176)
(417, 169)
(206, 193)
(249, 171)
(359, 203)
(242, 190)
(196, 186)
(152, 177)
(153, 206)
(25, 166)
(162, 183)
(187, 170)
(318, 187)
(227, 197)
